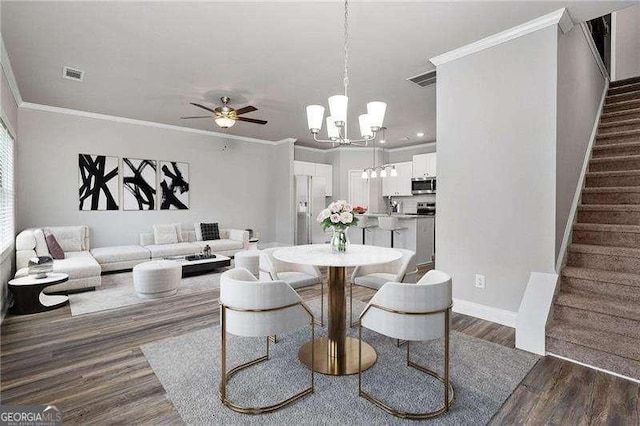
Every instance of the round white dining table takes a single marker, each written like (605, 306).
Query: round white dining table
(336, 354)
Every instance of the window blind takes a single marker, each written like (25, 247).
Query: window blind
(7, 210)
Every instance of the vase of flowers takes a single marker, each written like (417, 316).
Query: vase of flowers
(338, 216)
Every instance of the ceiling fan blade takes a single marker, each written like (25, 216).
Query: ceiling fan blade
(248, 108)
(199, 116)
(251, 120)
(203, 107)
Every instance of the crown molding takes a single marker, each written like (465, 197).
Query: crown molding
(560, 17)
(338, 148)
(5, 63)
(412, 147)
(93, 115)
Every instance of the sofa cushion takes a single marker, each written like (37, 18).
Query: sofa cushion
(178, 232)
(220, 245)
(41, 243)
(210, 231)
(70, 238)
(177, 249)
(165, 234)
(105, 255)
(198, 231)
(79, 264)
(53, 246)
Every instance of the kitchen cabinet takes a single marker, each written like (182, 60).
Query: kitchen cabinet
(399, 185)
(325, 171)
(424, 165)
(417, 235)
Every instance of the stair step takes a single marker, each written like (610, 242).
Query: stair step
(617, 149)
(616, 116)
(608, 258)
(601, 290)
(593, 348)
(564, 314)
(619, 278)
(622, 106)
(618, 137)
(629, 87)
(614, 308)
(624, 96)
(615, 126)
(618, 163)
(606, 235)
(611, 195)
(608, 214)
(625, 82)
(618, 178)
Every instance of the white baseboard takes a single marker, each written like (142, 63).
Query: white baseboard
(622, 376)
(489, 313)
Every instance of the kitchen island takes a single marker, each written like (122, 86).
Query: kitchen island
(416, 233)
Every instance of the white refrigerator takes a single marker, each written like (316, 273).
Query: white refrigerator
(310, 200)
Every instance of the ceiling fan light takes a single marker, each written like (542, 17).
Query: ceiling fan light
(338, 108)
(332, 130)
(365, 174)
(376, 110)
(315, 116)
(224, 122)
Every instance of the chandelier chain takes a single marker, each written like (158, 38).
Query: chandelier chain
(345, 81)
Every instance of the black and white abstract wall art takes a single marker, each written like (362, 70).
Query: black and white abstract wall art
(98, 182)
(174, 185)
(138, 184)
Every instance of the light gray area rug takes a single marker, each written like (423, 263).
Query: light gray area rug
(117, 291)
(484, 374)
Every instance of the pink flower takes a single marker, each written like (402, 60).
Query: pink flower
(335, 218)
(334, 207)
(348, 207)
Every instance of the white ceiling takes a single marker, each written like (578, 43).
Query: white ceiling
(147, 61)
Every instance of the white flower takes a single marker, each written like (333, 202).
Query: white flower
(323, 215)
(335, 218)
(346, 217)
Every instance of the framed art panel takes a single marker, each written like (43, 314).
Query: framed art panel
(98, 182)
(174, 185)
(139, 184)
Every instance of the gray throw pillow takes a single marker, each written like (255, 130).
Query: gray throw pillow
(54, 248)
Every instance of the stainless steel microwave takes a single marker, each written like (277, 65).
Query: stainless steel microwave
(423, 185)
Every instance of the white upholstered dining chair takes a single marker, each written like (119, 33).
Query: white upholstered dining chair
(375, 276)
(412, 312)
(297, 276)
(252, 308)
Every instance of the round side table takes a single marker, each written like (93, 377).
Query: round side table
(28, 297)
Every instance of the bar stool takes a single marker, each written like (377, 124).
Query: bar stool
(389, 223)
(365, 223)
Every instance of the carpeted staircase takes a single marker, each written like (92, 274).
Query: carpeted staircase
(596, 314)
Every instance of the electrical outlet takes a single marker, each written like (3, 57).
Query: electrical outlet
(479, 281)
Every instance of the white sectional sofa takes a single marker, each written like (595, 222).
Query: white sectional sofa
(85, 265)
(231, 241)
(84, 271)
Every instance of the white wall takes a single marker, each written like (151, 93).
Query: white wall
(627, 43)
(281, 184)
(496, 115)
(233, 186)
(311, 155)
(401, 155)
(580, 87)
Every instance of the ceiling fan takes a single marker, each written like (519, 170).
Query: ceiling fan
(225, 116)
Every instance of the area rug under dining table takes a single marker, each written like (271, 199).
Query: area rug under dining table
(483, 373)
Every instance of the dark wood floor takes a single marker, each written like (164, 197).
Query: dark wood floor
(92, 367)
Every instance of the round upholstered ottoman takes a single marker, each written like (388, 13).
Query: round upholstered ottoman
(157, 278)
(249, 259)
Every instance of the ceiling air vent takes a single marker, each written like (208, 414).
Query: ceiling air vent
(424, 80)
(72, 74)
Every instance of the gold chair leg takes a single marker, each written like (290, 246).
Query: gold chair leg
(226, 375)
(448, 387)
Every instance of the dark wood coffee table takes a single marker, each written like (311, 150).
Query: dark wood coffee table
(28, 297)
